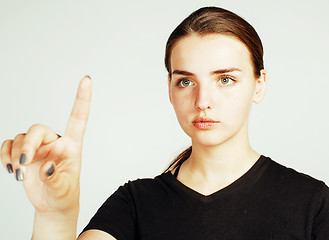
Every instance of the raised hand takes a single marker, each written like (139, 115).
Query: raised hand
(49, 164)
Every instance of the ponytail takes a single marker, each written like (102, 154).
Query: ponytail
(179, 159)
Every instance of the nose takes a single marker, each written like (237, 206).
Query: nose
(203, 98)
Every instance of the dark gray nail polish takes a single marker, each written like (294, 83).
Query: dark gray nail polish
(50, 171)
(10, 168)
(19, 175)
(23, 159)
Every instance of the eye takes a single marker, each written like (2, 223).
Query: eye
(226, 80)
(184, 82)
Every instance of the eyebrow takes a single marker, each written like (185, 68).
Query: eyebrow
(219, 71)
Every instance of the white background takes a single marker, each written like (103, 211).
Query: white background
(46, 47)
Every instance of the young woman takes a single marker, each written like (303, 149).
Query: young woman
(219, 188)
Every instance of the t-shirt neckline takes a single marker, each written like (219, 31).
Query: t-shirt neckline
(247, 179)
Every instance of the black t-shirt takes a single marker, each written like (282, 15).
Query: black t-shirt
(269, 202)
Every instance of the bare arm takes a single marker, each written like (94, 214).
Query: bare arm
(95, 234)
(49, 167)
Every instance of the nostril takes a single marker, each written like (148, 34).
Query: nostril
(203, 107)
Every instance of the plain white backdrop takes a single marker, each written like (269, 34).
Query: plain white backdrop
(46, 47)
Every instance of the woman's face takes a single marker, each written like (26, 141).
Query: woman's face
(212, 86)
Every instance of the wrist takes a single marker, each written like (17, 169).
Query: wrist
(55, 225)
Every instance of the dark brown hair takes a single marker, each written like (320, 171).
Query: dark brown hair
(214, 20)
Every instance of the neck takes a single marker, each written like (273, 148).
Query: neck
(223, 162)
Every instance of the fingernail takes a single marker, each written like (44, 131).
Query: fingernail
(87, 76)
(23, 159)
(19, 175)
(10, 168)
(50, 170)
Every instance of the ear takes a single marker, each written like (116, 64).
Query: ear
(169, 87)
(260, 87)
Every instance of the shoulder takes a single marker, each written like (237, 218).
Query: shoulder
(136, 193)
(147, 186)
(289, 179)
(291, 173)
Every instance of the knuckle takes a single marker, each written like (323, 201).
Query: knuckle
(37, 126)
(16, 146)
(26, 147)
(5, 150)
(19, 137)
(5, 144)
(77, 114)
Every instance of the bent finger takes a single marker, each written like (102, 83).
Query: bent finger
(6, 155)
(79, 116)
(36, 136)
(15, 155)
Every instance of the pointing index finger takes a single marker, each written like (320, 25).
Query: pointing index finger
(77, 123)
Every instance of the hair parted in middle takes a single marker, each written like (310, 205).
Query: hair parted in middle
(215, 20)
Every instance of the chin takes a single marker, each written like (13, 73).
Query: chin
(209, 143)
(209, 139)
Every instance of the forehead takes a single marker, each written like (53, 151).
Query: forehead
(205, 53)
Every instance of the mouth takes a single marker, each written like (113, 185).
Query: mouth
(204, 123)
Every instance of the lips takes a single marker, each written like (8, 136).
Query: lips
(204, 123)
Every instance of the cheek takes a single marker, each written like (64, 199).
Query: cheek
(236, 106)
(181, 102)
(183, 107)
(180, 109)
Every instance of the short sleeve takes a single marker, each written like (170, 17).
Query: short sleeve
(116, 216)
(321, 220)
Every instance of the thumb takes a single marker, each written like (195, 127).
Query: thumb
(57, 184)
